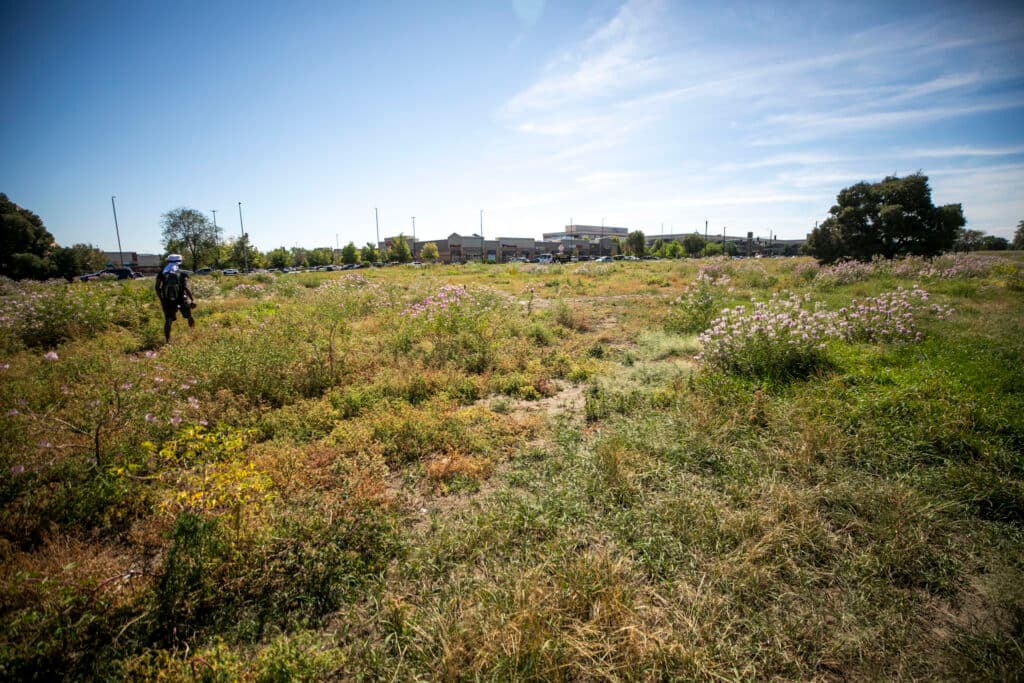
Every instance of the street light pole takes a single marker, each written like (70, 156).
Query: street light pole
(376, 220)
(117, 231)
(245, 248)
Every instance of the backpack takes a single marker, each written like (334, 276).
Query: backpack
(172, 286)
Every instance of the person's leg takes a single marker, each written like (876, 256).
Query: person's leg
(170, 314)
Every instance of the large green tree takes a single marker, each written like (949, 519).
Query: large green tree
(399, 250)
(190, 231)
(350, 253)
(25, 243)
(429, 252)
(636, 243)
(1018, 236)
(279, 258)
(894, 217)
(369, 253)
(693, 244)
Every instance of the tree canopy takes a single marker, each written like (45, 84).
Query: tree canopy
(693, 244)
(190, 231)
(399, 250)
(369, 253)
(350, 253)
(636, 243)
(25, 243)
(429, 252)
(1018, 236)
(894, 217)
(76, 260)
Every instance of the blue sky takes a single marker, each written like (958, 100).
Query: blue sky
(751, 116)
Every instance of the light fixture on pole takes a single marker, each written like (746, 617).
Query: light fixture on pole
(117, 231)
(245, 247)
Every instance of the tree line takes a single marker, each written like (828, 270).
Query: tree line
(891, 218)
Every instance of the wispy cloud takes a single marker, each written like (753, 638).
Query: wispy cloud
(645, 90)
(617, 57)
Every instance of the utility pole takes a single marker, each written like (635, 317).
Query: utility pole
(414, 229)
(245, 247)
(117, 231)
(481, 225)
(376, 220)
(705, 231)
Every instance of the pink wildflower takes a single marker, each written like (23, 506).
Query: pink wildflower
(51, 355)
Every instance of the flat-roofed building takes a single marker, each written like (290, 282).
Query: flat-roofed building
(591, 232)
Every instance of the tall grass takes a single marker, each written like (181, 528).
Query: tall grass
(519, 473)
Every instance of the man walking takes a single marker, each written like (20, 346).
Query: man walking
(172, 288)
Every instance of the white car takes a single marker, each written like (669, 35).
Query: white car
(229, 271)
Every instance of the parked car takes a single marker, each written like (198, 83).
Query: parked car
(604, 259)
(204, 271)
(229, 271)
(119, 273)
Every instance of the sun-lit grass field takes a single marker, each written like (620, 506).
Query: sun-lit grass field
(689, 470)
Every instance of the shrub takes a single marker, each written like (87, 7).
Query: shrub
(777, 339)
(692, 311)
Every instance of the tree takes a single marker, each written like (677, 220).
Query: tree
(240, 253)
(693, 244)
(322, 256)
(636, 243)
(711, 249)
(616, 245)
(429, 252)
(369, 253)
(81, 258)
(673, 250)
(350, 253)
(25, 243)
(968, 240)
(279, 258)
(730, 248)
(399, 250)
(993, 243)
(1018, 236)
(894, 217)
(190, 230)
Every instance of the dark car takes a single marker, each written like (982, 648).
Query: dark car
(119, 273)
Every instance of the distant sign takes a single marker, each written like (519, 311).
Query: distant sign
(750, 235)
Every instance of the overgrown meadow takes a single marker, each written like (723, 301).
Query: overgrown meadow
(697, 470)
